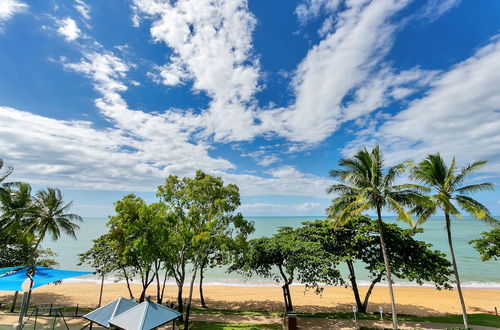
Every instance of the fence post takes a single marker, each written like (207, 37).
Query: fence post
(76, 311)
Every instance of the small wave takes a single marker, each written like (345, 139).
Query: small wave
(258, 283)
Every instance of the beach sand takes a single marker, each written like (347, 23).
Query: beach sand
(420, 301)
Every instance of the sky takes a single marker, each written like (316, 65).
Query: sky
(105, 98)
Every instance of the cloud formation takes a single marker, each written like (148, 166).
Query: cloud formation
(459, 115)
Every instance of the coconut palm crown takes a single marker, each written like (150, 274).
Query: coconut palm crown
(52, 216)
(365, 184)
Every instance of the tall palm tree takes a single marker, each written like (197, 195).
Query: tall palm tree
(51, 216)
(450, 195)
(365, 184)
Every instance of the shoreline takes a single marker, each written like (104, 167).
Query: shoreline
(419, 301)
(264, 283)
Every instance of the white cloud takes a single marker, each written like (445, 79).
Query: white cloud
(9, 8)
(212, 46)
(309, 9)
(346, 60)
(83, 8)
(68, 29)
(460, 115)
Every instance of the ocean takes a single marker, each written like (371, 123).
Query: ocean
(473, 272)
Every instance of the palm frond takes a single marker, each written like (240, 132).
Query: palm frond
(475, 188)
(468, 170)
(476, 209)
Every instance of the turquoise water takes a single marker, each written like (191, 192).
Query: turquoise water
(473, 271)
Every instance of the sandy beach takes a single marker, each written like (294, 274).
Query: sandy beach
(411, 300)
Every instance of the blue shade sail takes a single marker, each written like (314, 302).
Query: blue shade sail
(13, 281)
(147, 315)
(105, 313)
(5, 270)
(43, 275)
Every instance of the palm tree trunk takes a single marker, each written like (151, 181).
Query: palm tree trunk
(455, 270)
(387, 269)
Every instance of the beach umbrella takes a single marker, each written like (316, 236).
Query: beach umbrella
(145, 316)
(105, 313)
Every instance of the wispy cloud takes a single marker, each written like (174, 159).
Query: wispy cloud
(8, 9)
(459, 115)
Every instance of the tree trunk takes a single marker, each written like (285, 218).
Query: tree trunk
(288, 297)
(369, 292)
(100, 292)
(455, 270)
(387, 269)
(128, 284)
(354, 284)
(188, 304)
(14, 300)
(162, 292)
(180, 306)
(202, 298)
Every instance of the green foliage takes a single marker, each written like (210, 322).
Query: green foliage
(357, 240)
(18, 212)
(365, 184)
(489, 245)
(101, 256)
(449, 191)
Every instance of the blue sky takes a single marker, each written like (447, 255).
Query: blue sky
(103, 98)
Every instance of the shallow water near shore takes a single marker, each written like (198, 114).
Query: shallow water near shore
(474, 272)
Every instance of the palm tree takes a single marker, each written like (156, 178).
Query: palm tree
(450, 195)
(51, 216)
(16, 207)
(365, 184)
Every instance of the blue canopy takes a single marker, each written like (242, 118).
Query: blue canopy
(43, 275)
(105, 313)
(5, 270)
(145, 316)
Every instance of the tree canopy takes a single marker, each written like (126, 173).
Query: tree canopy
(488, 245)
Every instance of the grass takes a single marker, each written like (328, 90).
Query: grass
(487, 320)
(232, 312)
(233, 326)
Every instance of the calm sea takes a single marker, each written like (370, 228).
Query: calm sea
(474, 272)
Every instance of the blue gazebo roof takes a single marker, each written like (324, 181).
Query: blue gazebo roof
(105, 313)
(145, 316)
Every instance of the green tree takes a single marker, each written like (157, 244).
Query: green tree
(489, 245)
(355, 242)
(365, 184)
(201, 213)
(132, 238)
(449, 194)
(286, 257)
